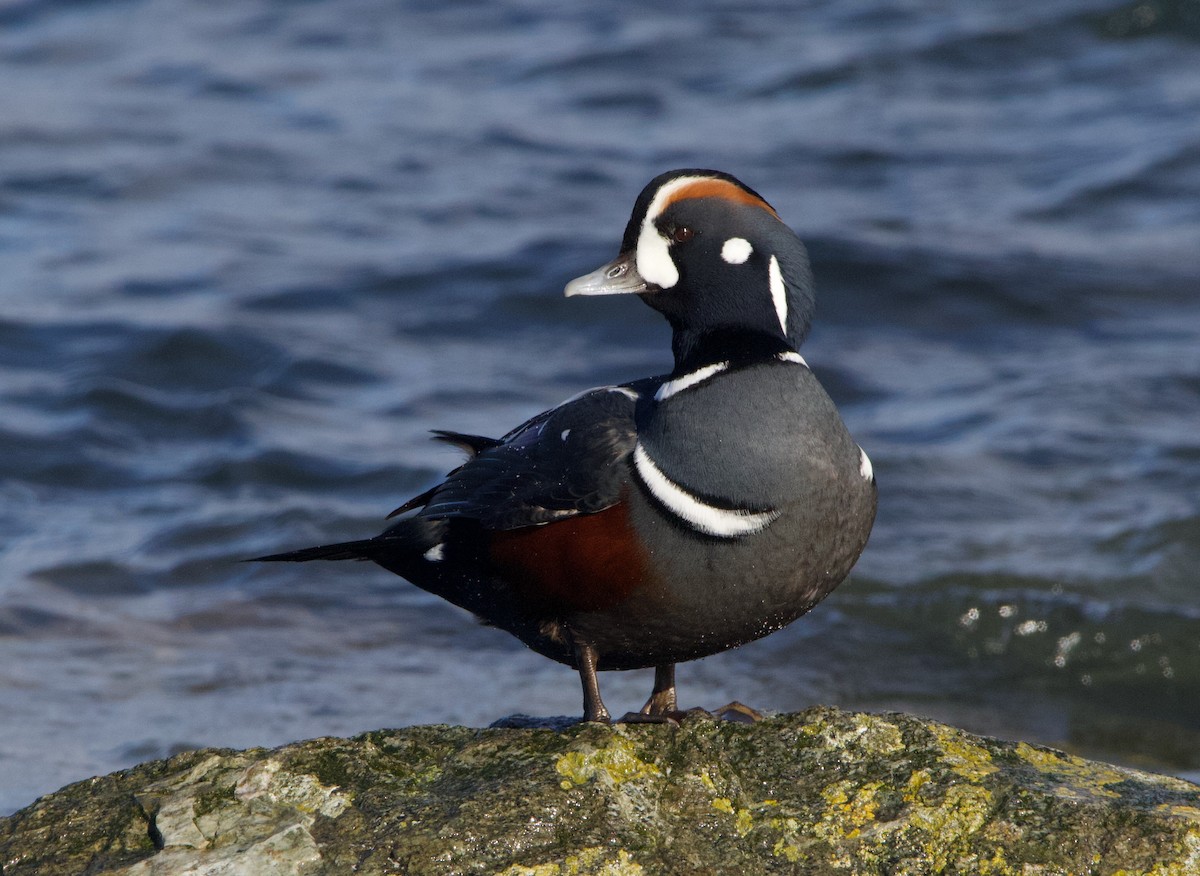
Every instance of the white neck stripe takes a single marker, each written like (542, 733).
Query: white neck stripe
(679, 384)
(699, 515)
(687, 381)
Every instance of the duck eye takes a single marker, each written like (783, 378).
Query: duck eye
(682, 234)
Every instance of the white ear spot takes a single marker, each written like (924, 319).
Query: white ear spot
(778, 293)
(435, 554)
(736, 250)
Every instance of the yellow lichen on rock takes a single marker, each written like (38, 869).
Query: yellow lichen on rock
(912, 788)
(820, 792)
(1188, 864)
(848, 810)
(788, 845)
(1079, 779)
(948, 823)
(1191, 813)
(868, 732)
(743, 819)
(592, 861)
(962, 756)
(996, 865)
(618, 762)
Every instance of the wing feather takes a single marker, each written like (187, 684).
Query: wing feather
(572, 459)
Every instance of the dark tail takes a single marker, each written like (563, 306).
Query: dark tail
(365, 549)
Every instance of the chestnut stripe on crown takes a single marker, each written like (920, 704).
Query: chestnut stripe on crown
(716, 188)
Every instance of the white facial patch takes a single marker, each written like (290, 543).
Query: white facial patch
(778, 293)
(654, 261)
(736, 250)
(695, 512)
(435, 554)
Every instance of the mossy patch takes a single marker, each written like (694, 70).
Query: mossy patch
(966, 758)
(593, 861)
(743, 819)
(1071, 776)
(814, 793)
(618, 762)
(864, 733)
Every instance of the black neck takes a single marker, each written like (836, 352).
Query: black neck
(738, 346)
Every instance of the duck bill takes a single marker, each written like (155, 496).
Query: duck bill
(618, 277)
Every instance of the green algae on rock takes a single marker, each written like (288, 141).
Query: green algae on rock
(822, 791)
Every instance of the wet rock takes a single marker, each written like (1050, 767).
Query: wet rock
(822, 791)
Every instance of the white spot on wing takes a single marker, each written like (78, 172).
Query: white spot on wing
(791, 356)
(699, 515)
(671, 387)
(778, 293)
(736, 250)
(864, 466)
(436, 553)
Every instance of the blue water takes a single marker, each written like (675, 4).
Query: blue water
(250, 253)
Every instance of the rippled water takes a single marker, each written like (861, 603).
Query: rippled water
(250, 253)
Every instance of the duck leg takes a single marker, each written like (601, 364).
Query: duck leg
(662, 698)
(593, 706)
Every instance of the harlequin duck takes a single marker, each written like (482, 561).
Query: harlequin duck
(671, 517)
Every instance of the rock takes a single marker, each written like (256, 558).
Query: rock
(822, 791)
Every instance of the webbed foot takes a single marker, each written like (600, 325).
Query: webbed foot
(739, 712)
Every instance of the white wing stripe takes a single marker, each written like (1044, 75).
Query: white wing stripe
(699, 515)
(623, 390)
